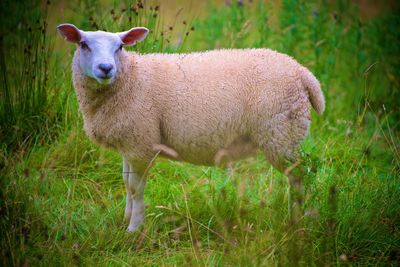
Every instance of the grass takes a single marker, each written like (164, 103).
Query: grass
(62, 197)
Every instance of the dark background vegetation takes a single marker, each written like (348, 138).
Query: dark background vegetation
(62, 198)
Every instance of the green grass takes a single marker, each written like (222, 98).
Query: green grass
(62, 197)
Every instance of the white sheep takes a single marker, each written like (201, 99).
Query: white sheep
(203, 108)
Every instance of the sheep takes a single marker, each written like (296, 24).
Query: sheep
(204, 107)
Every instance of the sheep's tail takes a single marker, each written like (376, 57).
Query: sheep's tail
(314, 90)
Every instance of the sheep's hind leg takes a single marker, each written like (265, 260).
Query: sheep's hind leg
(136, 187)
(125, 176)
(291, 167)
(280, 138)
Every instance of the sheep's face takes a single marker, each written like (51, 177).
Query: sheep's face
(99, 52)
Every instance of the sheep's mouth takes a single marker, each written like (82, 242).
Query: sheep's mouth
(106, 80)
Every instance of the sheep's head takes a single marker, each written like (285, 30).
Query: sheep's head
(100, 51)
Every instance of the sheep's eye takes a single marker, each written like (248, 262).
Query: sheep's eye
(84, 46)
(119, 48)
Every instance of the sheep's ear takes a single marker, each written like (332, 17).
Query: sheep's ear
(133, 36)
(70, 32)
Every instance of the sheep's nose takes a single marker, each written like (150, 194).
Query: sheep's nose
(105, 68)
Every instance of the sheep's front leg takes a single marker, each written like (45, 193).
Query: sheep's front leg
(136, 189)
(125, 176)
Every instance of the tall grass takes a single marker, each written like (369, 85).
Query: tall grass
(63, 201)
(24, 58)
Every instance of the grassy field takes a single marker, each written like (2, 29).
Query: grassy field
(62, 197)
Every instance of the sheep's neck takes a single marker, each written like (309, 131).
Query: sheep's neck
(94, 98)
(101, 106)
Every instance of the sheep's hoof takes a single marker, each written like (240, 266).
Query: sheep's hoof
(133, 228)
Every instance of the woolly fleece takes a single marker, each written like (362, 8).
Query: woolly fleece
(207, 107)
